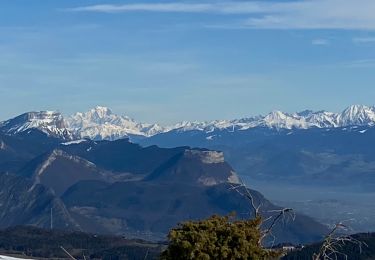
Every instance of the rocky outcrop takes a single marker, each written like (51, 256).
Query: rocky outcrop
(196, 167)
(206, 157)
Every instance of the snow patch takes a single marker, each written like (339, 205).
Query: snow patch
(75, 142)
(211, 137)
(2, 257)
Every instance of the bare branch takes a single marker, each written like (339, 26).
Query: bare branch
(282, 214)
(332, 244)
(247, 194)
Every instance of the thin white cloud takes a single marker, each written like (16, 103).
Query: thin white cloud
(223, 8)
(320, 42)
(364, 40)
(302, 14)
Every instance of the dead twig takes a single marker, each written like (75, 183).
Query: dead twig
(333, 244)
(281, 215)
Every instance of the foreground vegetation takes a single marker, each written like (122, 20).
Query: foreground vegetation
(214, 238)
(217, 238)
(40, 243)
(227, 238)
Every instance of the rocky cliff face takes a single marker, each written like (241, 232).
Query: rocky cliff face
(199, 167)
(207, 157)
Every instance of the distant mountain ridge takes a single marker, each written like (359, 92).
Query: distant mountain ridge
(101, 123)
(119, 187)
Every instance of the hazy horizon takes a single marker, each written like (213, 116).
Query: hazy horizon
(170, 61)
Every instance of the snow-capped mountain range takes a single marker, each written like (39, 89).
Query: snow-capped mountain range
(101, 123)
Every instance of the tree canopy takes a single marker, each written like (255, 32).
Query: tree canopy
(217, 238)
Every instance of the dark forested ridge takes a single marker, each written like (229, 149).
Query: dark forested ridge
(41, 243)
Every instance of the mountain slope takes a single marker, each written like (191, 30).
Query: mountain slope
(23, 203)
(17, 150)
(187, 184)
(59, 171)
(150, 209)
(122, 156)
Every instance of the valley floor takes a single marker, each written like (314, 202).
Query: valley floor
(327, 205)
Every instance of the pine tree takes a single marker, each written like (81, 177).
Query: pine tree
(217, 238)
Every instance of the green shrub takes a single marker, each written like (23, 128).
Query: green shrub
(217, 238)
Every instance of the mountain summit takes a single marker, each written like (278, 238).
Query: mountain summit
(50, 122)
(101, 123)
(358, 115)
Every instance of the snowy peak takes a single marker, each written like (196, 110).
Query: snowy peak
(98, 114)
(101, 123)
(357, 115)
(101, 112)
(279, 120)
(50, 122)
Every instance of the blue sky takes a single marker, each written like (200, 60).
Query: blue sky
(169, 61)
